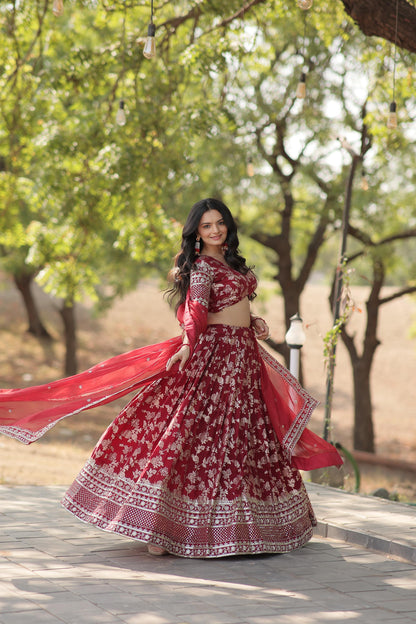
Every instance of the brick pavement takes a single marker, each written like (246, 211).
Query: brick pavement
(54, 570)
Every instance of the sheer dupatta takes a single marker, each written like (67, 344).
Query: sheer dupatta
(26, 414)
(290, 407)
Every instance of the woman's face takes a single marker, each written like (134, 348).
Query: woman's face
(212, 230)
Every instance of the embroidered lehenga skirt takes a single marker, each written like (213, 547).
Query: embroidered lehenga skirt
(192, 464)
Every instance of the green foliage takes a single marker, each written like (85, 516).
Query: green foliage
(93, 205)
(346, 308)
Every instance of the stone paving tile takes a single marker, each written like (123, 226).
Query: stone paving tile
(13, 603)
(68, 573)
(324, 616)
(360, 585)
(153, 618)
(401, 606)
(9, 569)
(305, 617)
(34, 616)
(380, 595)
(218, 618)
(75, 611)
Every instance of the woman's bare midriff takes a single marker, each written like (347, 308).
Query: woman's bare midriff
(237, 315)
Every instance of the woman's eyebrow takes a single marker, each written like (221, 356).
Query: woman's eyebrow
(209, 222)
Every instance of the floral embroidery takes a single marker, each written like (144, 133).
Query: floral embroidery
(218, 286)
(192, 462)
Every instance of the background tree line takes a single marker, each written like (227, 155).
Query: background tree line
(88, 207)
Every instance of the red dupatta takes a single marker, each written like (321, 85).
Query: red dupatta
(290, 407)
(26, 414)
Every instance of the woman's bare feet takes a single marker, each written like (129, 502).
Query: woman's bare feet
(156, 550)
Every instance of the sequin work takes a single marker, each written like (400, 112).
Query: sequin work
(192, 463)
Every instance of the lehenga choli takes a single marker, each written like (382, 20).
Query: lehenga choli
(203, 462)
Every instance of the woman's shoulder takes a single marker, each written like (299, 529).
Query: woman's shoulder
(202, 263)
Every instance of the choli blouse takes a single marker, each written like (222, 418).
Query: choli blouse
(213, 287)
(217, 286)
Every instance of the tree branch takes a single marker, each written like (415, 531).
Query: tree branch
(366, 240)
(172, 25)
(378, 18)
(400, 293)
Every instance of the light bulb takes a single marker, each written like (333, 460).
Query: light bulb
(364, 182)
(250, 168)
(58, 8)
(392, 118)
(305, 4)
(121, 114)
(301, 88)
(149, 50)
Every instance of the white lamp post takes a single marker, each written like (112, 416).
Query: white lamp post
(295, 338)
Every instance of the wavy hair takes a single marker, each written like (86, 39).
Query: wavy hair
(180, 275)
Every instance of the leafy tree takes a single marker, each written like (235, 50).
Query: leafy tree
(100, 194)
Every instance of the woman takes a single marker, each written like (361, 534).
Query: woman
(203, 462)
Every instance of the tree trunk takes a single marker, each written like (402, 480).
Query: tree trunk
(23, 282)
(363, 434)
(361, 365)
(67, 312)
(378, 18)
(363, 409)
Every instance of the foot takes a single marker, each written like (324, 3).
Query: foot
(156, 550)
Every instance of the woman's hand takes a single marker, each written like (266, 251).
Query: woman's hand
(180, 356)
(261, 329)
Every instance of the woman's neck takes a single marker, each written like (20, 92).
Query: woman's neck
(213, 252)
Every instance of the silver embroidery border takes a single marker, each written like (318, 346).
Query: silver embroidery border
(292, 436)
(156, 499)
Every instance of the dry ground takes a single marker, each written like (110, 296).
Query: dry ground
(143, 317)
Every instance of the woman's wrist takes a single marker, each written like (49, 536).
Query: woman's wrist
(253, 318)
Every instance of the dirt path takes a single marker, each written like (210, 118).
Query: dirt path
(143, 317)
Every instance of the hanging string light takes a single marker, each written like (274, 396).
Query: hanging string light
(121, 113)
(58, 8)
(250, 167)
(305, 4)
(364, 180)
(301, 88)
(392, 118)
(149, 49)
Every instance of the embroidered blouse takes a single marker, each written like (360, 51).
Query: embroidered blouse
(213, 287)
(217, 286)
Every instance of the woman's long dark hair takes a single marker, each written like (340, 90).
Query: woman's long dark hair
(181, 273)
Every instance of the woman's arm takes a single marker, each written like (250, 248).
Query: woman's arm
(193, 314)
(260, 327)
(182, 355)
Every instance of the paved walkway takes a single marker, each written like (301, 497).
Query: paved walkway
(54, 570)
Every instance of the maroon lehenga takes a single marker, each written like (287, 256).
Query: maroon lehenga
(202, 462)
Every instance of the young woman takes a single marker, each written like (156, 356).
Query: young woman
(203, 461)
